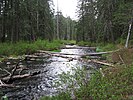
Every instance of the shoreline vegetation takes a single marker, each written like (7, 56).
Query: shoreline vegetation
(104, 24)
(108, 83)
(115, 83)
(25, 48)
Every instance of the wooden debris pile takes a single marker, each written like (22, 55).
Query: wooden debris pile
(14, 72)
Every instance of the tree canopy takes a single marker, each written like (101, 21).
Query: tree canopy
(25, 20)
(104, 20)
(99, 21)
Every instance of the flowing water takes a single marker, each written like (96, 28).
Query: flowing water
(33, 88)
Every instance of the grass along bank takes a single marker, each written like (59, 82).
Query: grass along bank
(20, 48)
(108, 83)
(116, 84)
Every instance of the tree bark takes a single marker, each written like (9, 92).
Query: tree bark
(128, 36)
(129, 32)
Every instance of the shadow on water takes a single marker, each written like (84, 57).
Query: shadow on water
(40, 85)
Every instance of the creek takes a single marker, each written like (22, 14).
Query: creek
(42, 84)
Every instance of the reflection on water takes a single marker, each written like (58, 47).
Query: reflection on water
(50, 67)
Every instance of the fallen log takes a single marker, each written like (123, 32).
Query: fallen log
(17, 77)
(12, 73)
(76, 47)
(74, 58)
(59, 55)
(2, 84)
(81, 55)
(102, 63)
(35, 56)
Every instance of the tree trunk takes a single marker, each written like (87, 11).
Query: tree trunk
(128, 36)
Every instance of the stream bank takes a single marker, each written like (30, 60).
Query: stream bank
(42, 84)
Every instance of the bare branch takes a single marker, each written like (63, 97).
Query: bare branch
(5, 71)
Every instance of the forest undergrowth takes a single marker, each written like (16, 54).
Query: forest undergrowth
(107, 83)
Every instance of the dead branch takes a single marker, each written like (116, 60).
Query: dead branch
(2, 84)
(122, 59)
(21, 70)
(76, 47)
(102, 63)
(73, 58)
(17, 77)
(5, 71)
(81, 55)
(12, 73)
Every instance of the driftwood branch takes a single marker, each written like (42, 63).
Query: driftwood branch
(102, 63)
(5, 71)
(121, 59)
(59, 53)
(76, 47)
(21, 70)
(2, 84)
(81, 55)
(12, 73)
(73, 58)
(17, 77)
(5, 81)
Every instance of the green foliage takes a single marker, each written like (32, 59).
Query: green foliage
(68, 42)
(18, 24)
(107, 47)
(83, 43)
(16, 49)
(103, 20)
(4, 98)
(76, 77)
(20, 48)
(116, 84)
(71, 42)
(66, 27)
(98, 49)
(69, 81)
(121, 41)
(62, 96)
(54, 45)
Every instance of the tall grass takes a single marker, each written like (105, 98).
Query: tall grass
(116, 84)
(20, 48)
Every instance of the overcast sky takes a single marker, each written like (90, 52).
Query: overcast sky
(67, 7)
